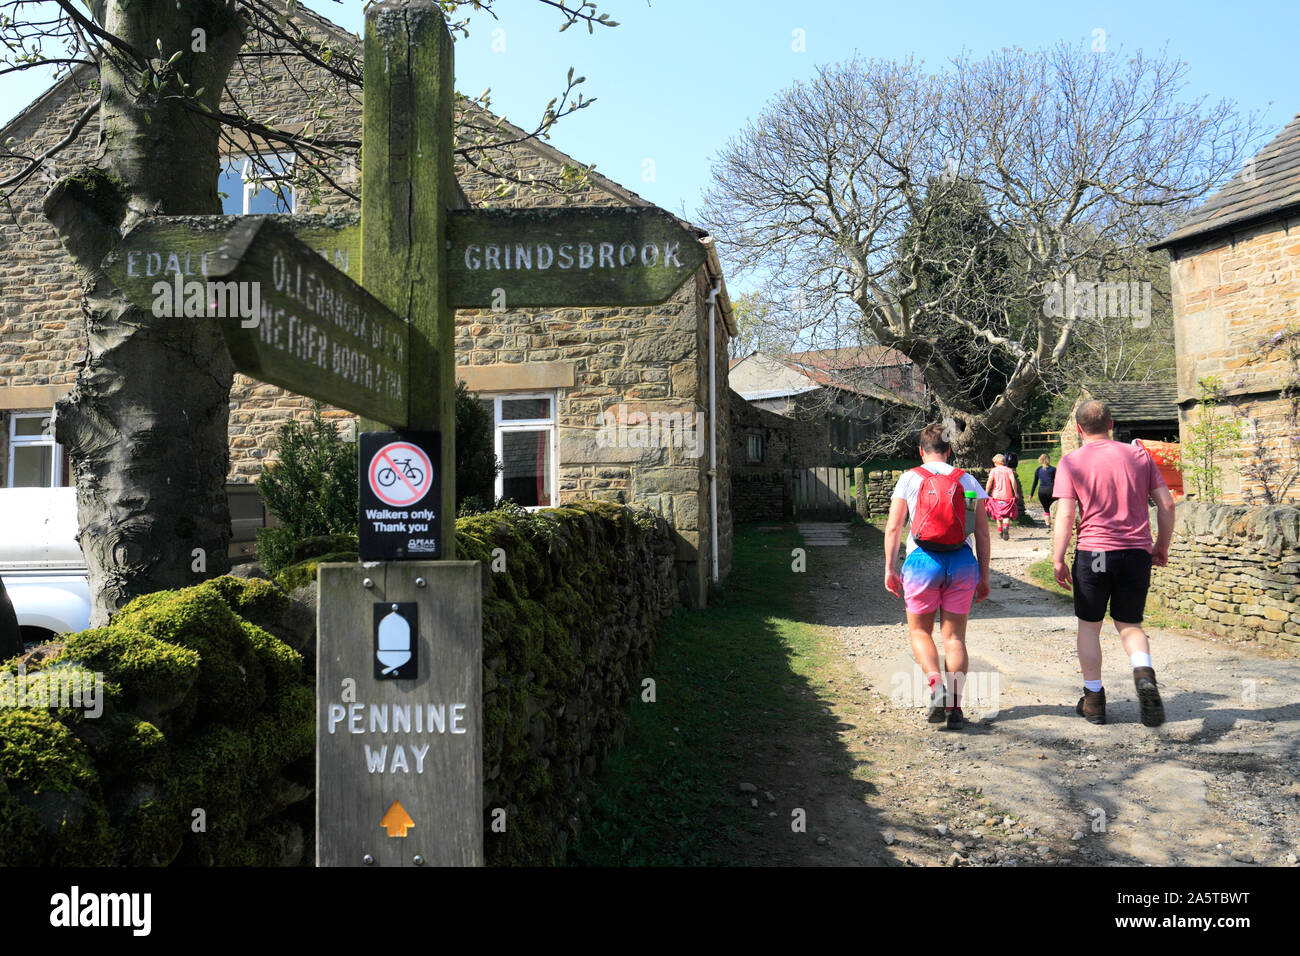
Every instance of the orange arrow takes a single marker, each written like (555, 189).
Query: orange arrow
(397, 821)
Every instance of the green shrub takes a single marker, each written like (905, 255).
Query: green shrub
(311, 487)
(1211, 438)
(476, 460)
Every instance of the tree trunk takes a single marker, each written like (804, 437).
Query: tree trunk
(11, 638)
(145, 425)
(979, 435)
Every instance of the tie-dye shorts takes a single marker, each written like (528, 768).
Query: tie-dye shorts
(932, 579)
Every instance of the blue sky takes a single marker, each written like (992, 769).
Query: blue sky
(676, 78)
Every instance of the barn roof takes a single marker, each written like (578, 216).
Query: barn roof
(1266, 188)
(1137, 401)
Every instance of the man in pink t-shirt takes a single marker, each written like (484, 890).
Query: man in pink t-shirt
(1110, 483)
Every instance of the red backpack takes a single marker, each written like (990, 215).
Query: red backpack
(939, 521)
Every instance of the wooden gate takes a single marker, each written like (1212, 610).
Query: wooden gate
(822, 494)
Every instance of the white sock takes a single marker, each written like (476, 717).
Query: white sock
(1092, 685)
(1139, 659)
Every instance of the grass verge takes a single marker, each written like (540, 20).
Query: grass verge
(1154, 616)
(744, 668)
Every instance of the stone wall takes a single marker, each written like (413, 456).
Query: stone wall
(209, 705)
(568, 629)
(761, 496)
(1229, 297)
(1235, 572)
(760, 490)
(873, 495)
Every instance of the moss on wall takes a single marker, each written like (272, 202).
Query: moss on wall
(206, 710)
(203, 710)
(569, 619)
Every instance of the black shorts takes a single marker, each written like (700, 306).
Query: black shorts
(1118, 577)
(1045, 499)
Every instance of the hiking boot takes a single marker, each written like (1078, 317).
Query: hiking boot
(956, 719)
(1092, 706)
(934, 706)
(1153, 708)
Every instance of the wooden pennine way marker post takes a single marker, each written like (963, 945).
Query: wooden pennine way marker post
(399, 731)
(405, 794)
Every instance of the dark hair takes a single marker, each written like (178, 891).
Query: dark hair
(932, 440)
(1093, 417)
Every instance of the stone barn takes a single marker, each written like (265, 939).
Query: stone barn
(1140, 410)
(1235, 271)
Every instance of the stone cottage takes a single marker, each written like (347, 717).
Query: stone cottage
(1235, 270)
(850, 402)
(625, 404)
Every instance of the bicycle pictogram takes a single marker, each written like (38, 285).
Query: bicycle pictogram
(400, 474)
(387, 476)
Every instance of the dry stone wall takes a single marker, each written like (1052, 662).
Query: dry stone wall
(873, 495)
(1235, 571)
(568, 629)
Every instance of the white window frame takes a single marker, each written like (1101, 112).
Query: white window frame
(250, 186)
(499, 428)
(46, 437)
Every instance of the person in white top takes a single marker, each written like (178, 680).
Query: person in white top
(941, 569)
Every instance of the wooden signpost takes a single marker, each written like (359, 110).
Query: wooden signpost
(568, 257)
(399, 778)
(399, 644)
(288, 316)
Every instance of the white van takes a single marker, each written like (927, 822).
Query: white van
(41, 562)
(42, 565)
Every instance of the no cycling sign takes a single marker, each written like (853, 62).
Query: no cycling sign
(400, 495)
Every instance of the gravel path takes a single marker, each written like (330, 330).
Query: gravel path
(1030, 782)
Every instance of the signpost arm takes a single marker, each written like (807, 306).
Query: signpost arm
(408, 184)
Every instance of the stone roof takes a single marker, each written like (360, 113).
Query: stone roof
(853, 357)
(1137, 401)
(1266, 188)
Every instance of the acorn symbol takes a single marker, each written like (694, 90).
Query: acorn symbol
(394, 641)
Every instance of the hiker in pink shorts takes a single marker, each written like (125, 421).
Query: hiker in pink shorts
(1001, 503)
(947, 566)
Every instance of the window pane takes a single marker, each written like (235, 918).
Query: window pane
(232, 184)
(489, 406)
(526, 476)
(266, 198)
(514, 409)
(33, 466)
(28, 425)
